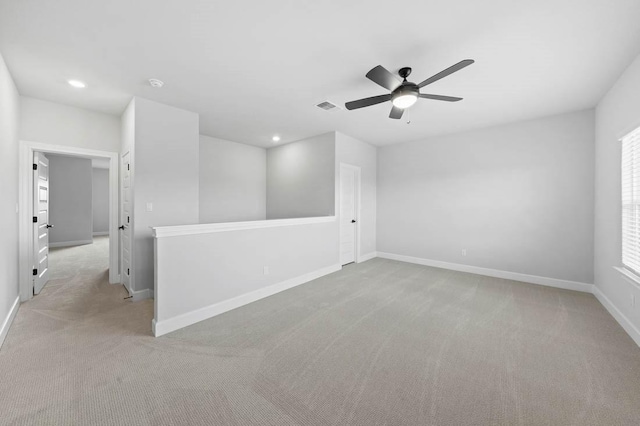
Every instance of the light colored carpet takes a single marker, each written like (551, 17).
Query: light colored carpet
(379, 343)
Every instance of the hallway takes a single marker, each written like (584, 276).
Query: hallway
(78, 295)
(57, 346)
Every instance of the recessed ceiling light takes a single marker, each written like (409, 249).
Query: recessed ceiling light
(154, 82)
(77, 84)
(276, 138)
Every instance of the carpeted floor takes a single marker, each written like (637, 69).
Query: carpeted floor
(378, 343)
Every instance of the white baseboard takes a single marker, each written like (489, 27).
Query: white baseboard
(100, 233)
(626, 324)
(516, 276)
(139, 295)
(70, 243)
(116, 280)
(6, 324)
(619, 316)
(168, 325)
(368, 256)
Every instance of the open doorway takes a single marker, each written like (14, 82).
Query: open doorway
(73, 244)
(71, 219)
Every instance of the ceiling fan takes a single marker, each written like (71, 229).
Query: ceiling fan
(404, 93)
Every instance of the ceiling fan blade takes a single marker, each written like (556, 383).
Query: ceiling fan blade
(381, 76)
(444, 73)
(361, 103)
(396, 112)
(440, 97)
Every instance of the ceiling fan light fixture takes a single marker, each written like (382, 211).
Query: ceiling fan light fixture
(404, 100)
(405, 96)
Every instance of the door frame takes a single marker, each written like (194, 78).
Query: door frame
(357, 172)
(25, 208)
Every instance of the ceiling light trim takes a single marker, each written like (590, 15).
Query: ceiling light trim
(78, 84)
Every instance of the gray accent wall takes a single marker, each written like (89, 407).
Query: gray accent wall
(9, 122)
(301, 178)
(616, 115)
(100, 201)
(517, 197)
(70, 201)
(233, 181)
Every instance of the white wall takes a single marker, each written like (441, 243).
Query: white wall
(617, 114)
(301, 178)
(9, 122)
(100, 201)
(166, 146)
(57, 124)
(128, 129)
(204, 274)
(232, 181)
(517, 197)
(70, 200)
(357, 153)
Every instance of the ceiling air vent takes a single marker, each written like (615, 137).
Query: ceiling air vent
(328, 106)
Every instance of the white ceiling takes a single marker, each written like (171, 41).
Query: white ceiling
(252, 69)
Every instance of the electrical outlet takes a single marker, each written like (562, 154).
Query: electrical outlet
(149, 207)
(464, 252)
(266, 270)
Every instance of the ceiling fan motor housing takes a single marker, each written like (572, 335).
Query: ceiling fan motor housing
(404, 72)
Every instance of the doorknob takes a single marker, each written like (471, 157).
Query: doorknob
(121, 227)
(49, 226)
(353, 221)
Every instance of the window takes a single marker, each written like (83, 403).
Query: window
(631, 201)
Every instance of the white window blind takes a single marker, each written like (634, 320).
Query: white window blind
(631, 201)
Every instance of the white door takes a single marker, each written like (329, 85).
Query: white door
(349, 189)
(125, 226)
(40, 221)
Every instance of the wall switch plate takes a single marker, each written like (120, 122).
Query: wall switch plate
(149, 207)
(464, 252)
(266, 270)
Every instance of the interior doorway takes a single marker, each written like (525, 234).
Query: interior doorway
(33, 209)
(349, 213)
